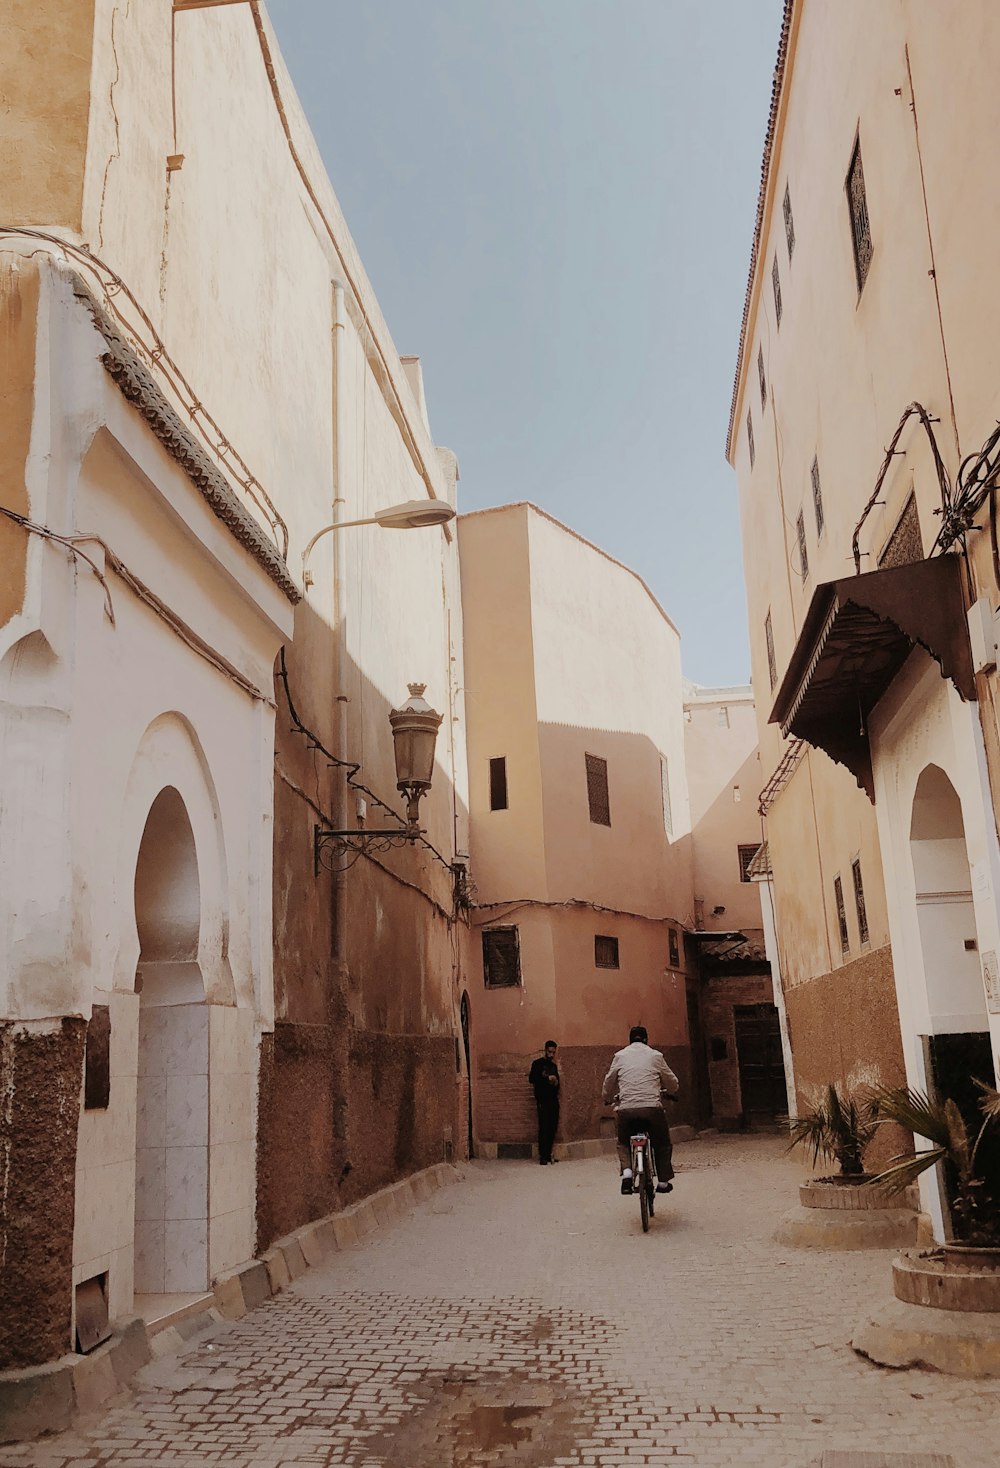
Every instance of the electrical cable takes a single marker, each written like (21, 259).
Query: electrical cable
(159, 359)
(513, 905)
(351, 766)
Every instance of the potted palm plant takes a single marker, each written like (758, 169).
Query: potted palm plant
(967, 1153)
(843, 1211)
(839, 1128)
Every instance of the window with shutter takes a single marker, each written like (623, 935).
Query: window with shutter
(838, 892)
(817, 496)
(668, 817)
(750, 437)
(776, 287)
(501, 958)
(763, 379)
(859, 900)
(772, 666)
(857, 203)
(746, 855)
(786, 209)
(800, 529)
(605, 951)
(597, 790)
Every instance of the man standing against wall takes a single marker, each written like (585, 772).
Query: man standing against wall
(543, 1077)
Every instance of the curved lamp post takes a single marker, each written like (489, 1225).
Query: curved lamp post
(414, 735)
(411, 515)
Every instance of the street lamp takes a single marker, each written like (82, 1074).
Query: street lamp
(411, 515)
(414, 735)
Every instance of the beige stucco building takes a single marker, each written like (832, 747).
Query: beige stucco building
(866, 377)
(207, 1037)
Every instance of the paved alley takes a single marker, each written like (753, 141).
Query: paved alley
(520, 1316)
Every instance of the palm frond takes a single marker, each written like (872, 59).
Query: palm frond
(903, 1171)
(915, 1112)
(989, 1103)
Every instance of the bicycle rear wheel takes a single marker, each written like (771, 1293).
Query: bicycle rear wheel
(644, 1204)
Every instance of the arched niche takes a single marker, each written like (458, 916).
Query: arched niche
(172, 1100)
(945, 912)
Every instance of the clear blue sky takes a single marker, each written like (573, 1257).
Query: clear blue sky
(555, 200)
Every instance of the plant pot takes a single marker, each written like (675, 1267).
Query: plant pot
(949, 1278)
(854, 1193)
(973, 1256)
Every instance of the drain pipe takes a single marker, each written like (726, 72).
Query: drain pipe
(339, 609)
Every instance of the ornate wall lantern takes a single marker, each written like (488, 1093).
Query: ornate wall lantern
(414, 734)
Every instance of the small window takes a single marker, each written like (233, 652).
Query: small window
(668, 816)
(859, 900)
(817, 496)
(501, 958)
(97, 1060)
(605, 951)
(772, 666)
(838, 892)
(746, 854)
(722, 717)
(776, 285)
(857, 203)
(675, 948)
(786, 209)
(763, 379)
(498, 783)
(800, 530)
(597, 790)
(750, 437)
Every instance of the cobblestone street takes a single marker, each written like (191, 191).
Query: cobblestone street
(520, 1316)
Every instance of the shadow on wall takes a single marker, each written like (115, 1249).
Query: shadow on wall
(359, 1082)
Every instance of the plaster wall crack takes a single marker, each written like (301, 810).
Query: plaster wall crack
(117, 150)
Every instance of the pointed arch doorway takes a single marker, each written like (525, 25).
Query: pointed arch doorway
(171, 1174)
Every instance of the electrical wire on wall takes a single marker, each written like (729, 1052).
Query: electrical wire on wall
(352, 767)
(154, 352)
(513, 905)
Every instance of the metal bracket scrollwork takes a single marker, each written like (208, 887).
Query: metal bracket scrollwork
(337, 851)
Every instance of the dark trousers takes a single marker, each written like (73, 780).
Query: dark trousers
(652, 1121)
(548, 1120)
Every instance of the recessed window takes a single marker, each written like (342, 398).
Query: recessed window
(97, 1060)
(675, 948)
(501, 958)
(817, 496)
(859, 900)
(838, 893)
(760, 374)
(605, 951)
(857, 203)
(498, 783)
(668, 815)
(776, 287)
(772, 666)
(597, 790)
(746, 855)
(786, 209)
(800, 530)
(750, 437)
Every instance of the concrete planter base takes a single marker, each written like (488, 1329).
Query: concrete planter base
(843, 1228)
(959, 1343)
(943, 1279)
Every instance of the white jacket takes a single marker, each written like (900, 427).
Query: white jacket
(637, 1076)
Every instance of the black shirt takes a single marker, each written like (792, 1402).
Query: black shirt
(538, 1077)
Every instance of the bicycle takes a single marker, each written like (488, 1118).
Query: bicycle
(643, 1175)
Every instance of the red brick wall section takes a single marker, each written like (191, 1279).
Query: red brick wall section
(719, 996)
(505, 1103)
(40, 1080)
(844, 1027)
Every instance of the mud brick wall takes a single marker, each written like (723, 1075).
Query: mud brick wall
(343, 1113)
(844, 1028)
(41, 1075)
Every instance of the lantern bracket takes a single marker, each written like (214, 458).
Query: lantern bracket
(337, 851)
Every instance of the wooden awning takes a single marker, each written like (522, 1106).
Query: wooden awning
(857, 634)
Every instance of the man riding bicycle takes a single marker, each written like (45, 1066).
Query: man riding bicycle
(636, 1082)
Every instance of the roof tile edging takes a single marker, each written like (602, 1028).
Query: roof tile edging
(138, 387)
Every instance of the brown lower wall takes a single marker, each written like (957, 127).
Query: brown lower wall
(844, 1027)
(40, 1079)
(342, 1114)
(505, 1105)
